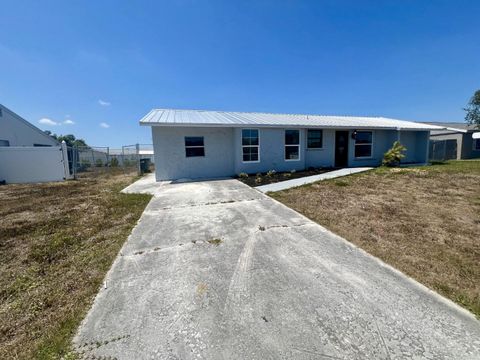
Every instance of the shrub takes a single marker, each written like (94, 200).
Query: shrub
(271, 173)
(293, 171)
(258, 179)
(114, 162)
(287, 175)
(98, 163)
(393, 156)
(243, 175)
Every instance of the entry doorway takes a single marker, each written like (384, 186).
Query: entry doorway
(341, 149)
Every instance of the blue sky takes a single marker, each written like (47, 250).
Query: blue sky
(110, 62)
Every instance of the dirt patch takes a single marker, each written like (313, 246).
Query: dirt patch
(57, 240)
(274, 177)
(423, 221)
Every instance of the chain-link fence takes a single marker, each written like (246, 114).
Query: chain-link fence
(441, 150)
(136, 157)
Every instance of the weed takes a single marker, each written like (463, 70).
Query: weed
(215, 242)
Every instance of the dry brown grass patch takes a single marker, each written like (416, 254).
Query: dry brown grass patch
(423, 221)
(57, 240)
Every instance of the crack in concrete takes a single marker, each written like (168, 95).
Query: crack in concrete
(162, 249)
(152, 212)
(264, 228)
(316, 353)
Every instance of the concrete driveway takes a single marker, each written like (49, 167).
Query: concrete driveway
(217, 270)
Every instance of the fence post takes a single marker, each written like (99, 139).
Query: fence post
(108, 157)
(139, 169)
(66, 169)
(74, 161)
(123, 158)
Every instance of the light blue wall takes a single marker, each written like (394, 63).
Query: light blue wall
(171, 162)
(382, 141)
(416, 143)
(324, 157)
(272, 152)
(223, 151)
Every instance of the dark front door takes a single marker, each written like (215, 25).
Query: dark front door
(341, 148)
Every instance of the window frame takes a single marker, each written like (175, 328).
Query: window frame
(250, 146)
(363, 144)
(194, 147)
(315, 148)
(474, 144)
(297, 145)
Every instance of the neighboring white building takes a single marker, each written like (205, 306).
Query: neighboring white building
(16, 131)
(27, 154)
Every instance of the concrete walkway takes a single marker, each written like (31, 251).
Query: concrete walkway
(287, 184)
(218, 270)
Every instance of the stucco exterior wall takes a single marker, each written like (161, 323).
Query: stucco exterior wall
(324, 157)
(223, 151)
(272, 152)
(171, 162)
(19, 133)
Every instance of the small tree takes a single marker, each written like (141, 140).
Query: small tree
(472, 116)
(393, 156)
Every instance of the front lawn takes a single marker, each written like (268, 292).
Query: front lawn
(425, 221)
(57, 241)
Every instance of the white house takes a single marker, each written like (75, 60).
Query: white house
(27, 154)
(204, 144)
(16, 131)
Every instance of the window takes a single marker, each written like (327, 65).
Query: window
(250, 145)
(314, 139)
(41, 145)
(194, 146)
(4, 143)
(476, 144)
(292, 145)
(363, 144)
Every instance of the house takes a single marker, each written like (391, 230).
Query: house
(27, 154)
(455, 141)
(16, 131)
(206, 144)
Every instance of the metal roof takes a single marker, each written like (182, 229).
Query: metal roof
(204, 118)
(453, 127)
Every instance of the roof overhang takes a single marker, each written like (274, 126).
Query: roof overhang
(283, 126)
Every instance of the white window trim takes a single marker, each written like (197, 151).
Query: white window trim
(194, 147)
(306, 141)
(258, 146)
(371, 146)
(285, 145)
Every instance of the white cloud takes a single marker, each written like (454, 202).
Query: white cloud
(104, 125)
(103, 102)
(46, 121)
(69, 122)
